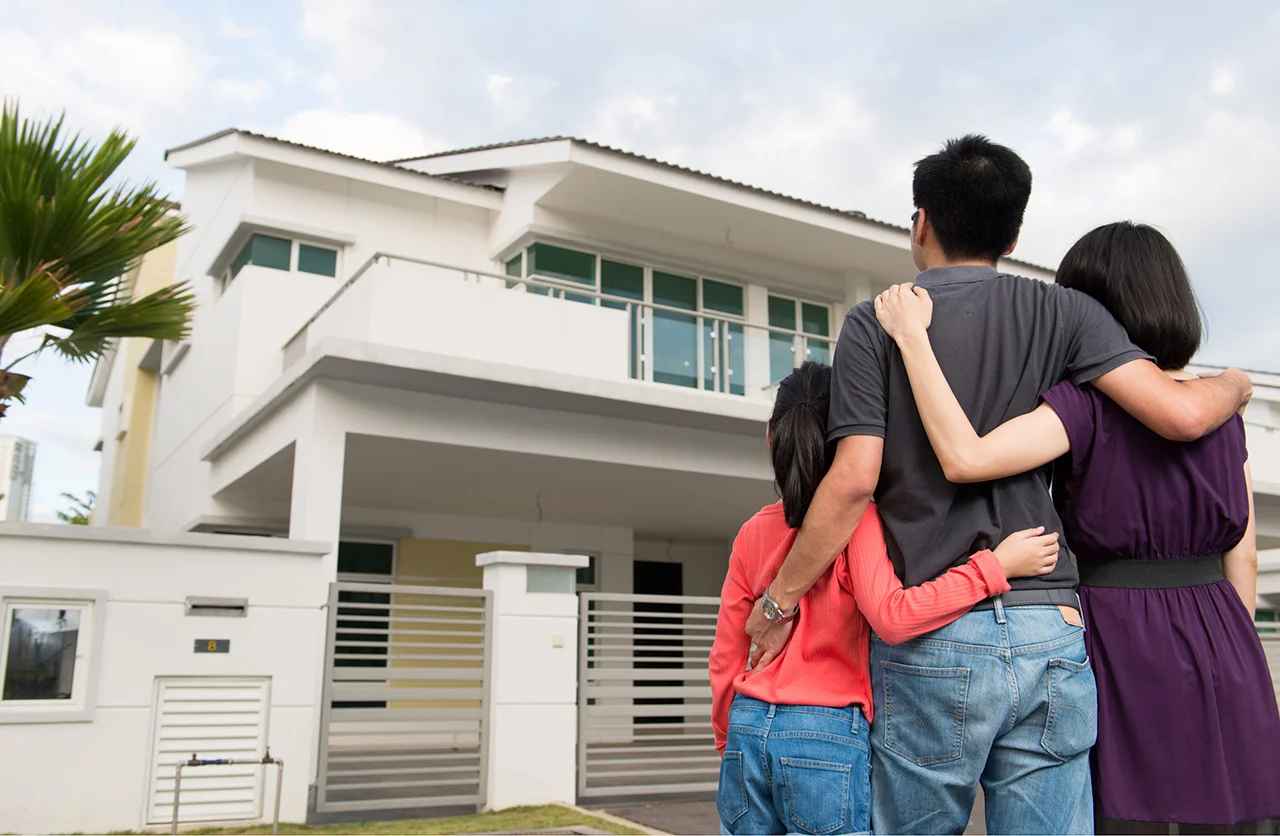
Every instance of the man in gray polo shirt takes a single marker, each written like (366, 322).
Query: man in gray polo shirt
(1004, 695)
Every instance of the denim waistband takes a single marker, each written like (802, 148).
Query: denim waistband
(847, 711)
(1065, 597)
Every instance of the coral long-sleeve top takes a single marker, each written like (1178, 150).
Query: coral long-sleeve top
(826, 661)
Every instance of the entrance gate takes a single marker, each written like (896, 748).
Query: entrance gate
(644, 696)
(404, 711)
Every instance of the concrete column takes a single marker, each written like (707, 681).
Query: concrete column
(315, 513)
(532, 720)
(757, 352)
(315, 504)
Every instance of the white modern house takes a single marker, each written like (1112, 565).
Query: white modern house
(17, 471)
(463, 439)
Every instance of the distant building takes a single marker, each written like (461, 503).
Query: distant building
(17, 467)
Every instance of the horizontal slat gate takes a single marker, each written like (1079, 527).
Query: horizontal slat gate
(644, 696)
(406, 698)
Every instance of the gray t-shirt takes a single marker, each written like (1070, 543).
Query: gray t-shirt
(1002, 341)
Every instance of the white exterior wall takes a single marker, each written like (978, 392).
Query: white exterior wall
(93, 776)
(236, 348)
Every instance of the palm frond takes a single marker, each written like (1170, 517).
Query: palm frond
(70, 233)
(162, 315)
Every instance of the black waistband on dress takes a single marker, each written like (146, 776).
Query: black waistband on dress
(1125, 573)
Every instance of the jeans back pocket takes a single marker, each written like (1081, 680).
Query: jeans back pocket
(731, 796)
(924, 712)
(816, 794)
(1071, 717)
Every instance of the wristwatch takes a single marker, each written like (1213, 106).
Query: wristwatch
(773, 613)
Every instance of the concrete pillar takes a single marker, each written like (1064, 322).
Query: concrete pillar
(757, 351)
(532, 720)
(315, 513)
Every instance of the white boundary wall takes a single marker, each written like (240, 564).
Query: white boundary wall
(89, 770)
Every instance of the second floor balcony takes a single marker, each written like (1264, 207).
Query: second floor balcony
(636, 323)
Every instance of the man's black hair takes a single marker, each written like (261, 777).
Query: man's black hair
(974, 193)
(1137, 275)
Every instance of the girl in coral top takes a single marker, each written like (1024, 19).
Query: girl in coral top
(794, 734)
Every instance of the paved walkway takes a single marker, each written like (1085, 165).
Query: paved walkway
(688, 818)
(679, 817)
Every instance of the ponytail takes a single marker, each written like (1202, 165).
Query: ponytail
(798, 438)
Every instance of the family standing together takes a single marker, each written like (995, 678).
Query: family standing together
(1014, 548)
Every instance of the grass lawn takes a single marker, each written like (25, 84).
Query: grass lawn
(517, 819)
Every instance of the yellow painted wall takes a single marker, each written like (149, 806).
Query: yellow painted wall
(138, 397)
(440, 563)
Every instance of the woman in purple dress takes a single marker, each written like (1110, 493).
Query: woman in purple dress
(1188, 730)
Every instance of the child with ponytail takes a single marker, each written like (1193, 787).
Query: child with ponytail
(794, 734)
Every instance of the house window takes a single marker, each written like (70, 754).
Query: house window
(702, 349)
(284, 254)
(263, 251)
(45, 649)
(788, 350)
(319, 260)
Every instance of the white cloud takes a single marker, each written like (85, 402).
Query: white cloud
(374, 136)
(498, 85)
(1073, 133)
(242, 91)
(237, 31)
(1223, 82)
(103, 76)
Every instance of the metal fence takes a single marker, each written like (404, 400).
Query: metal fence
(403, 718)
(644, 697)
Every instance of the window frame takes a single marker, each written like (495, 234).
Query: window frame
(700, 313)
(229, 274)
(798, 303)
(369, 577)
(80, 708)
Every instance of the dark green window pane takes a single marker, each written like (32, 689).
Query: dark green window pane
(781, 355)
(819, 351)
(586, 575)
(721, 297)
(675, 291)
(319, 260)
(782, 312)
(675, 348)
(723, 357)
(515, 265)
(561, 263)
(365, 558)
(269, 251)
(617, 279)
(816, 318)
(242, 258)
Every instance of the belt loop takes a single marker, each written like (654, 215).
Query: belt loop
(999, 609)
(1084, 625)
(773, 709)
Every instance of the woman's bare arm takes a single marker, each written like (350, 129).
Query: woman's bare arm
(1240, 564)
(1016, 446)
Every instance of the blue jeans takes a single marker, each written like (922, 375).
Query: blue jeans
(794, 769)
(1003, 696)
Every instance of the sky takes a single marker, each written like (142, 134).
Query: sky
(1152, 112)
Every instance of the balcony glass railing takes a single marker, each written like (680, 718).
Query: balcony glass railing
(666, 344)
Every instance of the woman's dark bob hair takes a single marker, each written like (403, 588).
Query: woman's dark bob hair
(1137, 275)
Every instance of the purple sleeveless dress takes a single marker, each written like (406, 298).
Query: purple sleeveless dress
(1188, 729)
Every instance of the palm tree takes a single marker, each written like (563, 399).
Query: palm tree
(68, 240)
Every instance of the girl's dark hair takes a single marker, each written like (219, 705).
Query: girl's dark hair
(1137, 275)
(798, 437)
